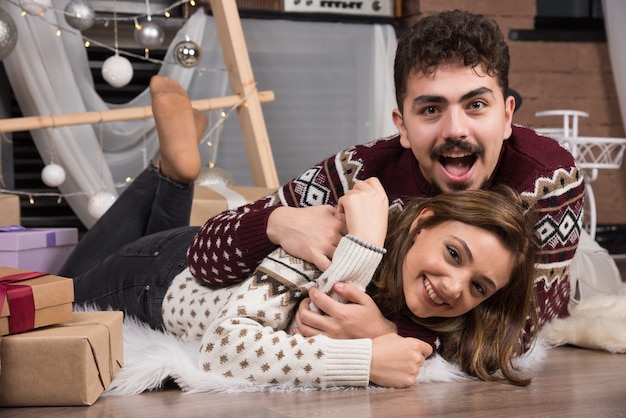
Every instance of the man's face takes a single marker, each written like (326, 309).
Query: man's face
(455, 121)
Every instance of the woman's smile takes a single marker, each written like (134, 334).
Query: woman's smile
(431, 294)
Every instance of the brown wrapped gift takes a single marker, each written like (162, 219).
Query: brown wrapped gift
(210, 200)
(9, 210)
(52, 296)
(64, 364)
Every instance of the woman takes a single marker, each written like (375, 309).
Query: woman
(134, 259)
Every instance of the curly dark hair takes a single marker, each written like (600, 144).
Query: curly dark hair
(451, 37)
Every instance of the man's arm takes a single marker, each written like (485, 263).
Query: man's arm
(558, 202)
(231, 244)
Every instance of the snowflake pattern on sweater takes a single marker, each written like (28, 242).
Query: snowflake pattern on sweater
(242, 327)
(230, 245)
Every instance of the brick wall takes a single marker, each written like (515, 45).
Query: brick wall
(554, 75)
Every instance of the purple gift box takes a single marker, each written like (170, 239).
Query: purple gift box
(36, 249)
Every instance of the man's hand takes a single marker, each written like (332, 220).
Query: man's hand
(396, 361)
(310, 233)
(359, 318)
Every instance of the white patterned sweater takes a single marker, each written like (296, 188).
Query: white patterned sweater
(244, 328)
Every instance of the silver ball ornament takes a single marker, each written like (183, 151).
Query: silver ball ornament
(8, 34)
(53, 175)
(100, 203)
(150, 35)
(35, 7)
(214, 175)
(117, 71)
(79, 15)
(187, 53)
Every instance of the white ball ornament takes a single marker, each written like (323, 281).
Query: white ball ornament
(8, 34)
(79, 15)
(100, 203)
(117, 71)
(53, 175)
(35, 7)
(150, 35)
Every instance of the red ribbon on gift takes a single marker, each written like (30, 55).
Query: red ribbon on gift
(20, 299)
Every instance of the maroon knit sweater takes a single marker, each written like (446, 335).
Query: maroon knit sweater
(230, 245)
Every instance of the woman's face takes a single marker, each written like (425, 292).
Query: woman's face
(453, 267)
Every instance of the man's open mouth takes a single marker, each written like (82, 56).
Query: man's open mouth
(457, 163)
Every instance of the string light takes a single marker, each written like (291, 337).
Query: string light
(164, 11)
(59, 196)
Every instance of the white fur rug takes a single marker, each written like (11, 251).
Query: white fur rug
(598, 323)
(152, 358)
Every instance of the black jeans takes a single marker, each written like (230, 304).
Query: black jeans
(130, 256)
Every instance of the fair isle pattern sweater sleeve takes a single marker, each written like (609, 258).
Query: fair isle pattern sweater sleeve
(546, 176)
(242, 327)
(558, 202)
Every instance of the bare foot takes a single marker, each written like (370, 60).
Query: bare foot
(179, 128)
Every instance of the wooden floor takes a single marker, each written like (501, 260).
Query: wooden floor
(572, 382)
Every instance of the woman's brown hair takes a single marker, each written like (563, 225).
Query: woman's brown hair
(488, 338)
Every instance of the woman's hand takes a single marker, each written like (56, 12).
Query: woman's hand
(366, 209)
(396, 361)
(358, 318)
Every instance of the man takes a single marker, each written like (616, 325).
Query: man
(455, 132)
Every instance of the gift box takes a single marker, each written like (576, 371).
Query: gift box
(36, 249)
(31, 300)
(61, 365)
(9, 210)
(208, 201)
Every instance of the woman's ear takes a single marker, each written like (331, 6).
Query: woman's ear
(423, 215)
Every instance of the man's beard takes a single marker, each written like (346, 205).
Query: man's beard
(456, 186)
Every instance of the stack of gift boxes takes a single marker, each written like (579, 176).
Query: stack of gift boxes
(49, 355)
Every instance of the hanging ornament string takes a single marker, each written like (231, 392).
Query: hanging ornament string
(53, 175)
(144, 149)
(100, 202)
(117, 70)
(216, 142)
(148, 34)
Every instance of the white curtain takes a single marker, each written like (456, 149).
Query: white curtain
(333, 84)
(614, 18)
